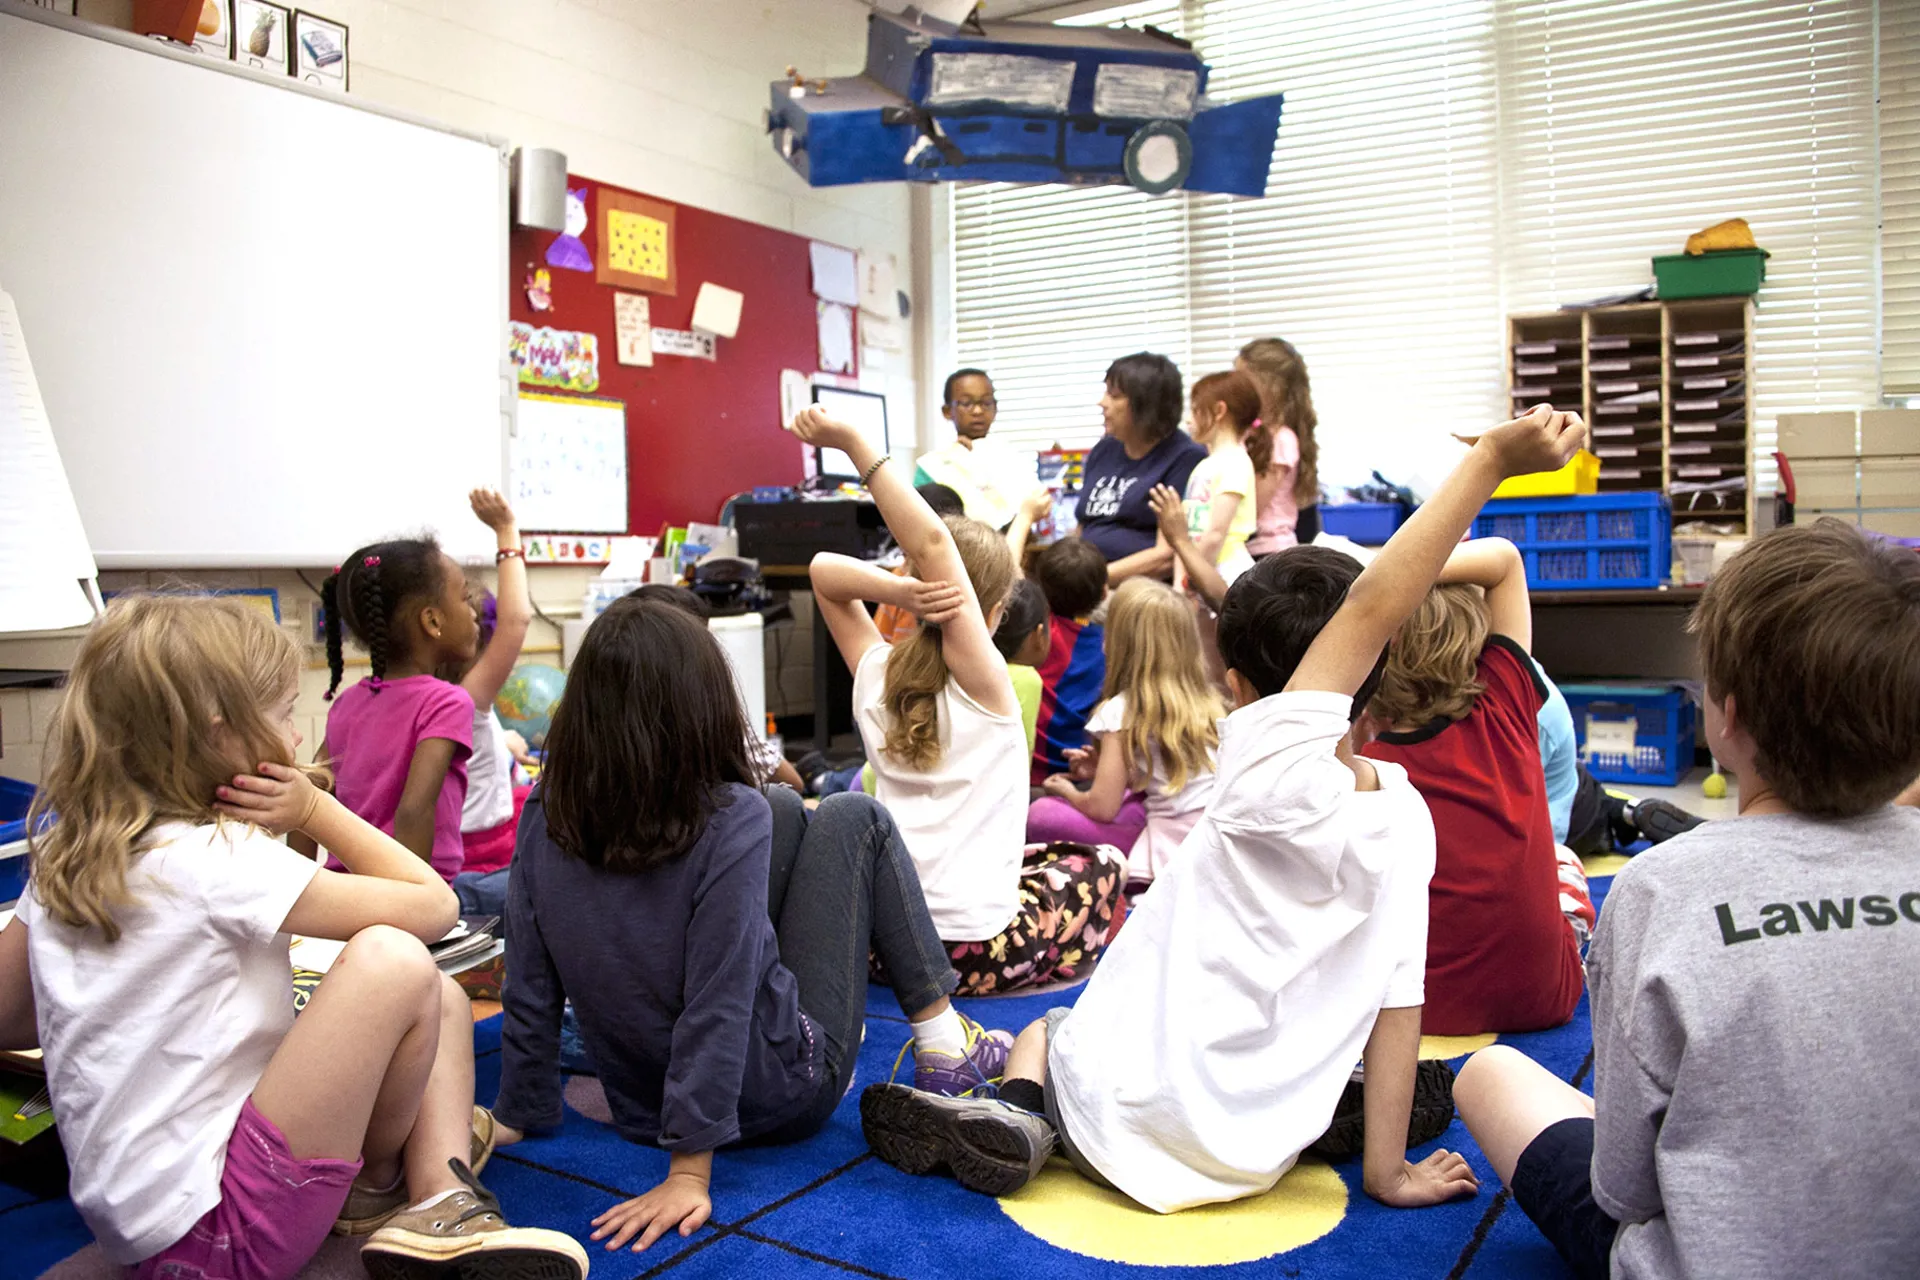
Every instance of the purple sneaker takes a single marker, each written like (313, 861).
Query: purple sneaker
(984, 1062)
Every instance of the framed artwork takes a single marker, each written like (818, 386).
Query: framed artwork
(319, 47)
(213, 32)
(261, 35)
(636, 248)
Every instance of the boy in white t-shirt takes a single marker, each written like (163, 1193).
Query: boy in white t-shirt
(1213, 1043)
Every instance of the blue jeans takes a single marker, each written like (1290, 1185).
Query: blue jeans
(835, 781)
(841, 886)
(483, 893)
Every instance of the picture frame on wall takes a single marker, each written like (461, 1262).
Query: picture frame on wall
(637, 246)
(213, 31)
(262, 35)
(319, 50)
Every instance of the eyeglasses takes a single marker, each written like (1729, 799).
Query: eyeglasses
(965, 405)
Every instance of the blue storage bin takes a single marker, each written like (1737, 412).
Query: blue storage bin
(1647, 731)
(15, 797)
(1370, 524)
(1601, 540)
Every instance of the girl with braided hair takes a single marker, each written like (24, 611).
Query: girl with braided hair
(398, 741)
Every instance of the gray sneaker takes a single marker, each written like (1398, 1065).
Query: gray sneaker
(989, 1146)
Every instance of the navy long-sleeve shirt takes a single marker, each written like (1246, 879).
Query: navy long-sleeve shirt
(675, 975)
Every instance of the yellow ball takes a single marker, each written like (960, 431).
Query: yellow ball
(1715, 787)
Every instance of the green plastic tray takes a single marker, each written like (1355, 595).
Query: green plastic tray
(1720, 274)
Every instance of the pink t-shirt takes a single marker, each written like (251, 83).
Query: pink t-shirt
(1274, 531)
(372, 731)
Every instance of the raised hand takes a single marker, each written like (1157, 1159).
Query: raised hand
(1442, 1176)
(1036, 504)
(492, 509)
(1166, 504)
(1542, 439)
(814, 426)
(279, 798)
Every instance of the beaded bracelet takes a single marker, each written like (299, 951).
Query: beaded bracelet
(508, 553)
(878, 462)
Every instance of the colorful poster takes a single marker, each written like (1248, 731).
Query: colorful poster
(563, 358)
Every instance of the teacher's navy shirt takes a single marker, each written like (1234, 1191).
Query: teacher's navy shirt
(1113, 511)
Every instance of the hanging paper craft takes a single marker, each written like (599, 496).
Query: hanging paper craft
(636, 243)
(836, 337)
(560, 358)
(881, 333)
(836, 276)
(540, 289)
(878, 295)
(683, 342)
(633, 328)
(567, 249)
(716, 310)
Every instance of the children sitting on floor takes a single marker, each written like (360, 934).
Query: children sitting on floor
(1286, 941)
(1458, 707)
(942, 729)
(207, 1131)
(1154, 737)
(399, 740)
(713, 939)
(1023, 638)
(1753, 980)
(1073, 576)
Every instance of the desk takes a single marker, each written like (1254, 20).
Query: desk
(826, 654)
(1616, 634)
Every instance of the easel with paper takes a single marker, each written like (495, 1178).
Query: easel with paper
(570, 464)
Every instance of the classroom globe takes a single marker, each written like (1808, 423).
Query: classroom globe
(526, 700)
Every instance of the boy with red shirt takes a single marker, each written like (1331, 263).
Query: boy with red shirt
(1459, 705)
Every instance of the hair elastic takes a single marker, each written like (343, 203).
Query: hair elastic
(371, 562)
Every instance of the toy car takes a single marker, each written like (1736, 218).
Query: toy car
(1023, 102)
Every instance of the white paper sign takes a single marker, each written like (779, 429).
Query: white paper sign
(835, 274)
(633, 328)
(1609, 737)
(717, 310)
(836, 337)
(796, 393)
(683, 342)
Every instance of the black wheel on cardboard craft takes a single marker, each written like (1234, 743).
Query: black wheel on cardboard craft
(1158, 158)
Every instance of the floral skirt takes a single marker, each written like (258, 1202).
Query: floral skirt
(1072, 897)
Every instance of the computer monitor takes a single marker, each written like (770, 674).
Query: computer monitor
(866, 410)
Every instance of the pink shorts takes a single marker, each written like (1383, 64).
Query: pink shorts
(273, 1216)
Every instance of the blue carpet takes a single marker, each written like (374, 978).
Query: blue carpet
(826, 1208)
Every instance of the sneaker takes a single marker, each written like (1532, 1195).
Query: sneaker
(367, 1210)
(1659, 820)
(984, 1062)
(1432, 1112)
(989, 1146)
(464, 1237)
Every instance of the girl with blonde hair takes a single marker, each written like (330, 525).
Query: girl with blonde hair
(208, 1131)
(943, 731)
(1155, 732)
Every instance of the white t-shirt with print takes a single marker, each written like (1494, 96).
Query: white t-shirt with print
(965, 819)
(1169, 816)
(153, 1042)
(1211, 1045)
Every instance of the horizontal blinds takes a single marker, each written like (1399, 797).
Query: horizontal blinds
(1629, 124)
(1900, 198)
(1374, 252)
(1052, 283)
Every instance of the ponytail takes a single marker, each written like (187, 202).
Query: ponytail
(330, 611)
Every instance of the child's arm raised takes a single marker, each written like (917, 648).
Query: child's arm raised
(966, 642)
(841, 583)
(1391, 1057)
(1496, 565)
(1392, 587)
(1202, 575)
(19, 1028)
(512, 605)
(1032, 507)
(389, 886)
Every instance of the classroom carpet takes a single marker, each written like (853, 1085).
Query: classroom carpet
(827, 1208)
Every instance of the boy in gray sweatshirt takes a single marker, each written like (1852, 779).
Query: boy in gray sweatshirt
(1755, 982)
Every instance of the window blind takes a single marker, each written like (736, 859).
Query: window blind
(1900, 199)
(1630, 124)
(1053, 283)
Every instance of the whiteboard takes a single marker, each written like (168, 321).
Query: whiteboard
(269, 325)
(570, 465)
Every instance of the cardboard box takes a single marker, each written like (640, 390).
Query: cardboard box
(1885, 431)
(1824, 485)
(1889, 482)
(1816, 435)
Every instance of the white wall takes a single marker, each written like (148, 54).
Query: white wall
(663, 96)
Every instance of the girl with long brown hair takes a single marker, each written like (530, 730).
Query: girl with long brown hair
(1287, 488)
(208, 1131)
(943, 731)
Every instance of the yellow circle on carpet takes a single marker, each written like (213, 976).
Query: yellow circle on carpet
(1068, 1212)
(1454, 1046)
(1604, 864)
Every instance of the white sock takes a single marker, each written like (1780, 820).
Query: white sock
(431, 1201)
(942, 1033)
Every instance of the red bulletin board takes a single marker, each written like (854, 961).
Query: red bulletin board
(698, 431)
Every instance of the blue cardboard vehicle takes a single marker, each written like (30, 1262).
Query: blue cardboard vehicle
(1023, 102)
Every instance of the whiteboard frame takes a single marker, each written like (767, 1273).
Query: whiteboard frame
(509, 380)
(555, 395)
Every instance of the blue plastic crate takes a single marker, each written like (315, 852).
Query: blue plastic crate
(1647, 731)
(1370, 524)
(15, 797)
(1602, 540)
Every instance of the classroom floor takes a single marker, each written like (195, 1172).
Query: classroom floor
(826, 1207)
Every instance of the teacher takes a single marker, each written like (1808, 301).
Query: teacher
(1143, 447)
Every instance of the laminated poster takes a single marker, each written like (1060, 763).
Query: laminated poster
(562, 358)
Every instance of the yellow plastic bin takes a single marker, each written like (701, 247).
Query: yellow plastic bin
(1580, 476)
